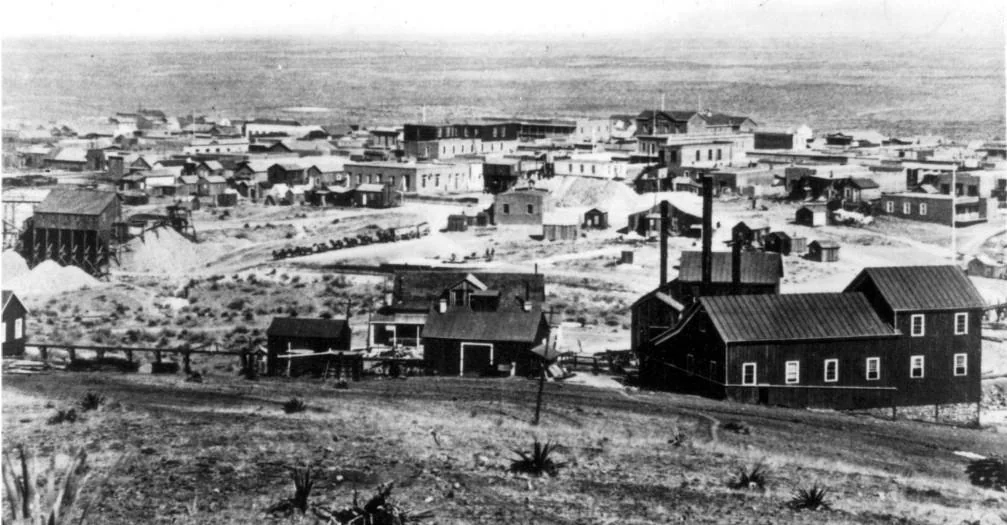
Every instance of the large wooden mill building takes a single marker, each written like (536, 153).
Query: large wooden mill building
(73, 227)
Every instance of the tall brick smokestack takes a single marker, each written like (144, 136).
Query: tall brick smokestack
(707, 259)
(736, 267)
(664, 225)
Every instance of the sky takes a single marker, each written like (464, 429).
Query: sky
(980, 19)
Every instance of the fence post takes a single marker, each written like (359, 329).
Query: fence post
(43, 353)
(187, 362)
(72, 353)
(157, 356)
(129, 356)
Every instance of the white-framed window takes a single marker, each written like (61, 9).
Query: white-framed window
(917, 325)
(18, 328)
(916, 367)
(873, 368)
(889, 207)
(748, 374)
(831, 370)
(961, 323)
(793, 372)
(907, 208)
(961, 364)
(923, 208)
(3, 332)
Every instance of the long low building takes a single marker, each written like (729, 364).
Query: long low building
(934, 207)
(422, 178)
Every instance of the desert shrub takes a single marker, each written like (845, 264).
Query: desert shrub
(30, 501)
(340, 282)
(164, 367)
(294, 405)
(538, 462)
(326, 315)
(989, 472)
(237, 304)
(738, 427)
(757, 476)
(380, 509)
(91, 401)
(812, 498)
(63, 416)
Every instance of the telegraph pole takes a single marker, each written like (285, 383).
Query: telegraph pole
(954, 213)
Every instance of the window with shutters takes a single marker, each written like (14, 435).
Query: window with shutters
(831, 370)
(793, 372)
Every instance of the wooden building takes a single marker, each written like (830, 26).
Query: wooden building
(15, 325)
(937, 312)
(985, 266)
(400, 321)
(560, 226)
(289, 173)
(779, 242)
(464, 341)
(376, 196)
(287, 335)
(596, 219)
(816, 214)
(73, 227)
(210, 186)
(823, 251)
(860, 189)
(798, 350)
(934, 207)
(751, 233)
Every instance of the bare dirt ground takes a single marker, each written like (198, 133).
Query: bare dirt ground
(169, 451)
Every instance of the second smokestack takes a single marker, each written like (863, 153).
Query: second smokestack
(664, 226)
(707, 260)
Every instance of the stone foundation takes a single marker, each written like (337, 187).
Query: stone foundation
(961, 414)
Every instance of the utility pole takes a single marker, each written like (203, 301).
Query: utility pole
(954, 213)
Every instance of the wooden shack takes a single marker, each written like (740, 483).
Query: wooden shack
(823, 251)
(985, 266)
(560, 226)
(751, 233)
(73, 227)
(812, 215)
(596, 219)
(292, 335)
(457, 223)
(798, 245)
(779, 242)
(14, 329)
(376, 196)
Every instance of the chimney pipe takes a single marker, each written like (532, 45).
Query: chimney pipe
(665, 212)
(349, 307)
(736, 267)
(707, 259)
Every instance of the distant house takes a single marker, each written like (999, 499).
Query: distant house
(289, 173)
(522, 207)
(816, 214)
(465, 341)
(823, 251)
(860, 189)
(290, 334)
(779, 242)
(207, 168)
(188, 186)
(376, 196)
(750, 233)
(69, 159)
(934, 207)
(561, 225)
(596, 219)
(985, 266)
(457, 223)
(211, 185)
(14, 327)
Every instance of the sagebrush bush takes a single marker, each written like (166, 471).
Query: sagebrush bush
(294, 405)
(812, 498)
(538, 462)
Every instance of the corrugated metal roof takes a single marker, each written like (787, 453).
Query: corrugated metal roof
(756, 267)
(791, 317)
(306, 327)
(463, 324)
(76, 202)
(922, 287)
(864, 184)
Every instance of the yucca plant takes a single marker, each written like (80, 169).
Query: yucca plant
(812, 498)
(988, 472)
(56, 502)
(91, 401)
(538, 462)
(379, 510)
(756, 477)
(303, 483)
(63, 416)
(294, 405)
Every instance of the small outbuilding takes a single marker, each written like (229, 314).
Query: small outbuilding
(779, 242)
(15, 317)
(823, 251)
(985, 266)
(375, 196)
(596, 219)
(750, 233)
(560, 226)
(798, 245)
(812, 214)
(302, 335)
(457, 223)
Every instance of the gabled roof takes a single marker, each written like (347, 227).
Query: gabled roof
(756, 267)
(864, 184)
(473, 280)
(303, 327)
(71, 155)
(922, 287)
(673, 115)
(988, 261)
(9, 296)
(76, 202)
(189, 179)
(463, 324)
(824, 244)
(212, 165)
(215, 179)
(794, 317)
(417, 289)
